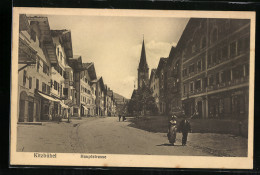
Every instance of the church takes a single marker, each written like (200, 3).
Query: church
(142, 96)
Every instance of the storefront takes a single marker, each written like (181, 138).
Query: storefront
(28, 107)
(231, 104)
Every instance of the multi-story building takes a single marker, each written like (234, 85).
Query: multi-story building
(62, 41)
(110, 97)
(86, 90)
(215, 67)
(76, 64)
(99, 87)
(174, 95)
(154, 86)
(69, 90)
(162, 76)
(36, 55)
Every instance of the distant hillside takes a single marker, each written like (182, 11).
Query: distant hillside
(119, 98)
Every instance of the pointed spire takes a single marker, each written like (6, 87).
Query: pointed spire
(143, 63)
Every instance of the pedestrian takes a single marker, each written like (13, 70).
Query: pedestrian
(185, 128)
(172, 129)
(119, 116)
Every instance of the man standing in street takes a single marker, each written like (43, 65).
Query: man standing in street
(185, 128)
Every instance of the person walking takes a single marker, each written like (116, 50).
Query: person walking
(172, 129)
(185, 128)
(119, 117)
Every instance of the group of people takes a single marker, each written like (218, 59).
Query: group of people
(121, 116)
(184, 127)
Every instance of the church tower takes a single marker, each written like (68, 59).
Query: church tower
(143, 70)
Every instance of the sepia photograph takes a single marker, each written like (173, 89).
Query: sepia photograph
(132, 88)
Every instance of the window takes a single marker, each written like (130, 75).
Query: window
(233, 48)
(191, 86)
(211, 80)
(209, 60)
(37, 84)
(199, 65)
(227, 75)
(243, 44)
(191, 68)
(61, 89)
(217, 78)
(43, 87)
(238, 72)
(61, 56)
(205, 82)
(45, 68)
(221, 77)
(224, 52)
(198, 84)
(48, 89)
(185, 72)
(55, 85)
(24, 77)
(203, 42)
(38, 65)
(58, 87)
(30, 82)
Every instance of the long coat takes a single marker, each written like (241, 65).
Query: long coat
(184, 126)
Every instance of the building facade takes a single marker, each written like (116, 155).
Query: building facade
(99, 87)
(162, 76)
(86, 90)
(36, 55)
(174, 90)
(154, 86)
(215, 68)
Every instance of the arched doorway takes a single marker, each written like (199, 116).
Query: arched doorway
(22, 109)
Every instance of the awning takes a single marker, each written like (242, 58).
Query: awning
(48, 97)
(63, 105)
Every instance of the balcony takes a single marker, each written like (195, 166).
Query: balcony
(231, 83)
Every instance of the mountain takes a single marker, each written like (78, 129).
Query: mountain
(119, 98)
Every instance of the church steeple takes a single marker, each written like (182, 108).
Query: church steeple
(143, 64)
(143, 70)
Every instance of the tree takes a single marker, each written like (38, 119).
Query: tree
(142, 101)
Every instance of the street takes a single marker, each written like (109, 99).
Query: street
(109, 136)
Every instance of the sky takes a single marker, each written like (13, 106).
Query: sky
(114, 44)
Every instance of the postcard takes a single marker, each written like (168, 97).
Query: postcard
(132, 88)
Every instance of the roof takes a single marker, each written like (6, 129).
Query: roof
(65, 40)
(86, 65)
(110, 93)
(75, 63)
(162, 62)
(143, 63)
(46, 38)
(100, 80)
